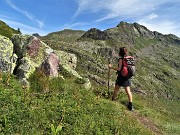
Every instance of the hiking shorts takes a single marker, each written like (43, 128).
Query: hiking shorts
(121, 81)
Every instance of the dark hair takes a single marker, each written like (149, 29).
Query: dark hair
(123, 51)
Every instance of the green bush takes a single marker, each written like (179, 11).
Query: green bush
(80, 81)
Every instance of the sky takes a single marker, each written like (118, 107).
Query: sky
(46, 16)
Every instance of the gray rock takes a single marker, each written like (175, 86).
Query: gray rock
(33, 53)
(7, 58)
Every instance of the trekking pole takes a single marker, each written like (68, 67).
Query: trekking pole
(108, 77)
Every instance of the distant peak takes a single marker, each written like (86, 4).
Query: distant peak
(96, 34)
(93, 29)
(121, 24)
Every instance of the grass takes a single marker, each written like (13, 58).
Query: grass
(68, 109)
(64, 109)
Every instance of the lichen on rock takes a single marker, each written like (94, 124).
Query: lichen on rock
(7, 58)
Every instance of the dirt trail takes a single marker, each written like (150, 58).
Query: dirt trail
(147, 123)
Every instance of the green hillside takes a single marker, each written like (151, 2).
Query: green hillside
(7, 31)
(65, 109)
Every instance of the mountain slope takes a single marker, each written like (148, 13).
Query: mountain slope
(157, 63)
(7, 31)
(154, 51)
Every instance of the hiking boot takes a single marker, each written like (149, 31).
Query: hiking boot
(130, 106)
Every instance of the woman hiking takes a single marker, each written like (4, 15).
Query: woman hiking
(122, 81)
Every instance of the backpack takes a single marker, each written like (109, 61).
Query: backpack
(128, 67)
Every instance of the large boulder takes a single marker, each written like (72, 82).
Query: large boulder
(32, 54)
(7, 57)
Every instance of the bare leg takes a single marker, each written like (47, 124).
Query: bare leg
(128, 91)
(116, 89)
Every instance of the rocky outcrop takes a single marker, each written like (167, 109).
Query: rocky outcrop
(107, 52)
(7, 57)
(69, 59)
(32, 54)
(25, 54)
(142, 31)
(96, 34)
(69, 63)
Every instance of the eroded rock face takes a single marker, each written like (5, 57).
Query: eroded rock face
(33, 53)
(50, 65)
(67, 59)
(33, 47)
(20, 43)
(7, 58)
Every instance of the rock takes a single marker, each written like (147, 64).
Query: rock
(20, 43)
(33, 47)
(87, 84)
(71, 71)
(32, 54)
(107, 52)
(50, 65)
(25, 67)
(69, 59)
(7, 58)
(96, 34)
(36, 35)
(138, 91)
(143, 31)
(68, 63)
(97, 79)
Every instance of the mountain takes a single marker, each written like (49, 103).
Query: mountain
(157, 63)
(7, 31)
(154, 51)
(62, 105)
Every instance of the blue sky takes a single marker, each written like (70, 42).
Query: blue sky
(46, 16)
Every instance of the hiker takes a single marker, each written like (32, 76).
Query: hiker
(121, 80)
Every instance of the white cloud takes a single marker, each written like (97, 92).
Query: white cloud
(25, 29)
(27, 14)
(90, 6)
(40, 23)
(157, 15)
(153, 23)
(74, 25)
(152, 16)
(117, 8)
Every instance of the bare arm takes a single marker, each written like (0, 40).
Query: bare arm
(117, 68)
